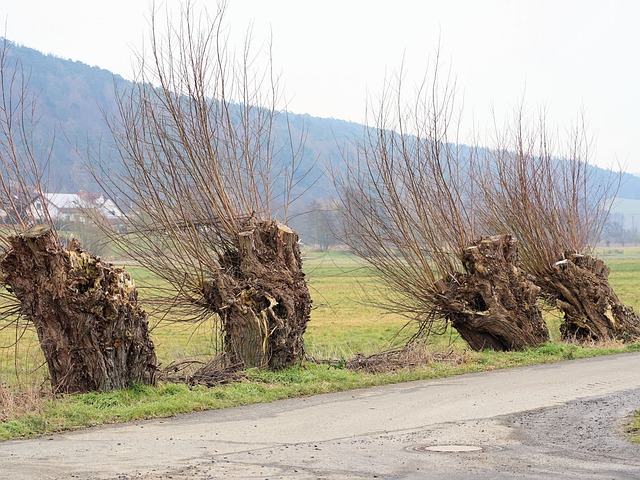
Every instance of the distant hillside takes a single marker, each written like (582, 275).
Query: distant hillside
(73, 96)
(628, 211)
(630, 187)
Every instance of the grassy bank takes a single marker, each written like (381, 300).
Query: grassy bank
(137, 403)
(344, 322)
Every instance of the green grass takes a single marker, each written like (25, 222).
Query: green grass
(344, 320)
(633, 429)
(143, 402)
(343, 323)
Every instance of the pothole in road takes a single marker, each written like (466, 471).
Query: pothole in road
(447, 448)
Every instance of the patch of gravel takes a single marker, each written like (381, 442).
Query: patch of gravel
(591, 428)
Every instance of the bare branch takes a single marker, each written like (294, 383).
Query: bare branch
(208, 162)
(409, 208)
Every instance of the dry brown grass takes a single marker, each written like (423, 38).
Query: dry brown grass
(28, 399)
(216, 371)
(412, 356)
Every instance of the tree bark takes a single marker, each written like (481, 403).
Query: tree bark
(579, 284)
(262, 298)
(494, 304)
(92, 332)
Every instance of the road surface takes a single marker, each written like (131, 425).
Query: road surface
(561, 420)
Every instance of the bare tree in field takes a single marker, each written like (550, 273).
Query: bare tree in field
(545, 192)
(321, 224)
(207, 171)
(409, 208)
(92, 332)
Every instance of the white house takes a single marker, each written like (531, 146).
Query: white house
(70, 207)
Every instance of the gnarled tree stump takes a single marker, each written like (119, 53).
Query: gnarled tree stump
(262, 298)
(579, 284)
(92, 332)
(493, 305)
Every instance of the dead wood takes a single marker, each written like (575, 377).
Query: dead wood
(579, 285)
(262, 298)
(410, 356)
(92, 331)
(217, 371)
(494, 304)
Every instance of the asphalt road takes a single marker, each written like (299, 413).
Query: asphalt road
(551, 421)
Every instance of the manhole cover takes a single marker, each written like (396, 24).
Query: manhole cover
(447, 448)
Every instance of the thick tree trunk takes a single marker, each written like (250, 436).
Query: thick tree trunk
(93, 333)
(579, 284)
(262, 298)
(493, 305)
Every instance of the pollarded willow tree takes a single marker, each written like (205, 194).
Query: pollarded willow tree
(543, 189)
(92, 332)
(207, 167)
(409, 209)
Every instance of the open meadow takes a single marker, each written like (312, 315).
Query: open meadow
(344, 323)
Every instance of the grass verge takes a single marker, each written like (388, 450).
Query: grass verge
(344, 323)
(70, 412)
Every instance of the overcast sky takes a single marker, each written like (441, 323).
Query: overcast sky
(567, 54)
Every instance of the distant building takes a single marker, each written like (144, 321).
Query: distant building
(73, 207)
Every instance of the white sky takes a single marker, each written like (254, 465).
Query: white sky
(567, 54)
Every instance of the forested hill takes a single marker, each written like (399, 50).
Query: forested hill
(73, 97)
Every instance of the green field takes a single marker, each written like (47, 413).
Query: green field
(343, 323)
